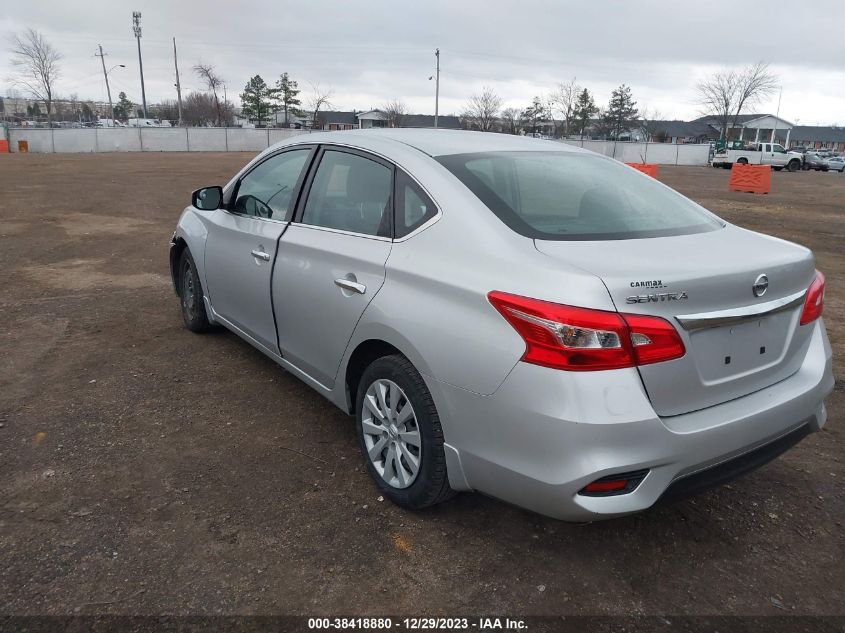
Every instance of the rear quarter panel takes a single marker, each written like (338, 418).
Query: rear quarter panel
(433, 306)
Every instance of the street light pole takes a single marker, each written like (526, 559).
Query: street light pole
(437, 87)
(777, 114)
(102, 57)
(136, 28)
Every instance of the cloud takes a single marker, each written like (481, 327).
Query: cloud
(382, 49)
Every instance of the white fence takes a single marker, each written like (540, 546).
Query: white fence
(152, 139)
(206, 139)
(656, 153)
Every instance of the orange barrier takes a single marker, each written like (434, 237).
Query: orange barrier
(646, 168)
(23, 147)
(4, 146)
(750, 178)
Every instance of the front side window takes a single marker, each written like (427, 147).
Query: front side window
(267, 191)
(576, 196)
(350, 193)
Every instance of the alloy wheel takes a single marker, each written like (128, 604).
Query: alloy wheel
(391, 433)
(189, 294)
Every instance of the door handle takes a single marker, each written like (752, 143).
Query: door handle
(351, 286)
(261, 255)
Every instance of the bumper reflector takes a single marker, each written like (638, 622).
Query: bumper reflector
(619, 484)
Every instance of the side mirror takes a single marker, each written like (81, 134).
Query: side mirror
(207, 198)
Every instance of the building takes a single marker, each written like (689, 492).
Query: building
(814, 137)
(337, 120)
(750, 127)
(344, 120)
(679, 132)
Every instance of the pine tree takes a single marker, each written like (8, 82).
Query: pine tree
(123, 107)
(533, 114)
(585, 108)
(255, 99)
(285, 94)
(622, 109)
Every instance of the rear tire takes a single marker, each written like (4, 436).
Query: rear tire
(742, 161)
(398, 428)
(191, 295)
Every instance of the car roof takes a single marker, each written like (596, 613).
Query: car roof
(437, 142)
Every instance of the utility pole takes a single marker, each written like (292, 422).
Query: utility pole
(178, 84)
(136, 28)
(102, 57)
(437, 87)
(777, 114)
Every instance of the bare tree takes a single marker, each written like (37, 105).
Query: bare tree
(482, 109)
(199, 110)
(395, 111)
(716, 95)
(38, 66)
(754, 83)
(319, 98)
(208, 75)
(510, 120)
(562, 101)
(726, 93)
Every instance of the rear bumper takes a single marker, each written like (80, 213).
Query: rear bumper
(545, 434)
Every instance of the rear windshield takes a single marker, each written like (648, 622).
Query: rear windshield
(576, 196)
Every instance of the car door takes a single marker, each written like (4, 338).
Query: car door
(331, 260)
(779, 155)
(768, 156)
(242, 240)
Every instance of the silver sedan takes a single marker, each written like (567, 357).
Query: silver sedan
(512, 315)
(836, 163)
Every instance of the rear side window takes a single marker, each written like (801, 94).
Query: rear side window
(413, 207)
(350, 193)
(576, 196)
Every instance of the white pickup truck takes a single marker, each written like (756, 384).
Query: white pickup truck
(760, 154)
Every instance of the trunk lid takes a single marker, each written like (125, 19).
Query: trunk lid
(736, 342)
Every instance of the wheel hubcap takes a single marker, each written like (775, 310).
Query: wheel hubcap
(188, 291)
(391, 434)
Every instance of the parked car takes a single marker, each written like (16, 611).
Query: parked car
(759, 154)
(511, 315)
(815, 162)
(836, 163)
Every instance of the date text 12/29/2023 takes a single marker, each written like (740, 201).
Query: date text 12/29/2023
(418, 624)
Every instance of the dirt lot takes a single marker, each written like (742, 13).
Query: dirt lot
(144, 469)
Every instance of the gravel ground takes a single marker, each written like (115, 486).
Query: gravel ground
(147, 470)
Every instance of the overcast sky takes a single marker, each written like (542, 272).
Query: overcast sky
(369, 52)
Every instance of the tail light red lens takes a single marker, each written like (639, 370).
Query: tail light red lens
(814, 303)
(614, 484)
(580, 339)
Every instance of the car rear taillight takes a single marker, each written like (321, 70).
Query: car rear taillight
(581, 339)
(814, 303)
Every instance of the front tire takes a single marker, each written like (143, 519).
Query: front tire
(191, 295)
(794, 165)
(400, 434)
